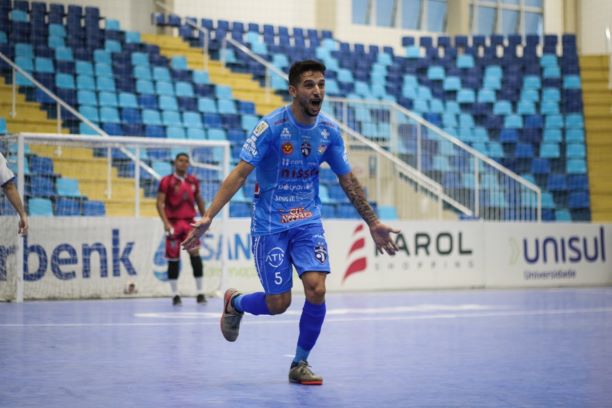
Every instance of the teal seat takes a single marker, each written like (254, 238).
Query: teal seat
(387, 212)
(200, 77)
(105, 84)
(466, 96)
(162, 168)
(175, 132)
(40, 207)
(128, 100)
(67, 187)
(207, 105)
(451, 83)
(168, 103)
(108, 99)
(192, 120)
(465, 61)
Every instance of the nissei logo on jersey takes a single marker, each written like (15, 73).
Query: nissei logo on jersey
(296, 214)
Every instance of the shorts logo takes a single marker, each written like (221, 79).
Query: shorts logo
(275, 257)
(306, 148)
(287, 148)
(295, 214)
(263, 125)
(321, 253)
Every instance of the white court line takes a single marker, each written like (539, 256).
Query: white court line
(333, 312)
(271, 320)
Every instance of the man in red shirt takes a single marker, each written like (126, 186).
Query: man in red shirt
(176, 198)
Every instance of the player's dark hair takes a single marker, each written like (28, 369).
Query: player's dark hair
(299, 67)
(181, 154)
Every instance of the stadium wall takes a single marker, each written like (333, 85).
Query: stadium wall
(74, 258)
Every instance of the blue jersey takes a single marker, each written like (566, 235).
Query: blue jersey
(287, 156)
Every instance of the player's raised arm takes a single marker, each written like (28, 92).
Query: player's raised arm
(380, 232)
(228, 188)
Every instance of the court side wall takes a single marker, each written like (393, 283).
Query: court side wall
(76, 258)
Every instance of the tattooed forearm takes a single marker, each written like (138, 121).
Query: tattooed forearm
(356, 195)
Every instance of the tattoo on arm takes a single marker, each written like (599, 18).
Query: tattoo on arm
(356, 195)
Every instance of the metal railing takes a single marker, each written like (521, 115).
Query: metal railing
(609, 50)
(17, 70)
(489, 191)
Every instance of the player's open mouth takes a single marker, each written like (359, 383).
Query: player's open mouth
(316, 103)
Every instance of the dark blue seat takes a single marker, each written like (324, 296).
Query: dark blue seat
(67, 207)
(94, 208)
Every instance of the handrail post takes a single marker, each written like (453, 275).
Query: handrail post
(206, 47)
(20, 240)
(109, 173)
(14, 95)
(137, 184)
(267, 85)
(476, 188)
(59, 118)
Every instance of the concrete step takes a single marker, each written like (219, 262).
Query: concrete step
(125, 208)
(593, 61)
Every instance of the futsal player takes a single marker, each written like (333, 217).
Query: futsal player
(287, 147)
(10, 190)
(177, 196)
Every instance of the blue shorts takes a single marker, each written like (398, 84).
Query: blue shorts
(302, 247)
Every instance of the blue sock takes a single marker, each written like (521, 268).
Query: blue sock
(311, 322)
(253, 303)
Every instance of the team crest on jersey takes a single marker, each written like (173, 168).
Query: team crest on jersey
(285, 134)
(287, 148)
(263, 125)
(306, 148)
(325, 133)
(321, 253)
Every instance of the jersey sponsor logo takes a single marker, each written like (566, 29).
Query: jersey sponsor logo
(250, 146)
(260, 128)
(321, 253)
(285, 133)
(296, 214)
(275, 257)
(308, 186)
(280, 121)
(299, 173)
(287, 148)
(306, 148)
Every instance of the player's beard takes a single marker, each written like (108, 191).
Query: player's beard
(310, 107)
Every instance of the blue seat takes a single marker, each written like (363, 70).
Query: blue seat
(435, 73)
(451, 83)
(175, 132)
(578, 200)
(171, 118)
(572, 82)
(164, 88)
(502, 108)
(131, 116)
(513, 121)
(93, 208)
(64, 81)
(144, 86)
(161, 74)
(90, 112)
(556, 182)
(196, 133)
(67, 207)
(575, 151)
(207, 105)
(40, 207)
(88, 98)
(151, 117)
(184, 89)
(84, 68)
(41, 186)
(466, 96)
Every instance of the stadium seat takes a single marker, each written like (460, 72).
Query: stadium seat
(40, 207)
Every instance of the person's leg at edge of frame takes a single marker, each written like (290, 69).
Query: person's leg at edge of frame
(311, 322)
